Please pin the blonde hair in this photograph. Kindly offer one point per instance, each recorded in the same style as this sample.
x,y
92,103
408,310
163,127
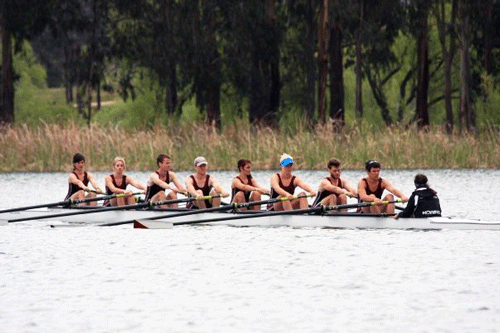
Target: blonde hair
x,y
118,159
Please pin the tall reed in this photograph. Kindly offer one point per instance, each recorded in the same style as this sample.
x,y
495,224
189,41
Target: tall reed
x,y
50,147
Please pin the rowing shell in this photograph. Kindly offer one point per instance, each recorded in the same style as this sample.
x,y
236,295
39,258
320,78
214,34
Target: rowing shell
x,y
340,220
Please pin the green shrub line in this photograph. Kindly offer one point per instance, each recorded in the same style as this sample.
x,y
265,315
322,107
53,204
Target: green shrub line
x,y
50,147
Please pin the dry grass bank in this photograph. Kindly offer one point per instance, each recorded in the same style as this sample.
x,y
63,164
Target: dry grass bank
x,y
50,147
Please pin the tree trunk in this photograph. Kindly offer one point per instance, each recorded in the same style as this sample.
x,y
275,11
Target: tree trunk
x,y
446,32
310,68
467,116
488,36
274,94
171,90
7,99
322,60
336,76
214,70
422,116
359,65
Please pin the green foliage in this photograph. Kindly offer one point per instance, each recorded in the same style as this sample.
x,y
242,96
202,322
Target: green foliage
x,y
487,107
34,102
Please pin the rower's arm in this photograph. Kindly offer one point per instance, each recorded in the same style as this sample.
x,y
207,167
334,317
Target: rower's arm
x,y
215,184
349,188
190,188
258,188
305,186
134,183
410,207
156,180
388,186
236,183
113,188
177,183
276,186
331,188
94,183
363,196
74,180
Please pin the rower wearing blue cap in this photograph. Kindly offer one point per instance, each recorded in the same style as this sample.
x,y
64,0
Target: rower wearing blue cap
x,y
283,185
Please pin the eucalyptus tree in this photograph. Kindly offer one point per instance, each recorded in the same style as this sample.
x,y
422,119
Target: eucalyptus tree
x,y
19,20
371,29
250,44
446,19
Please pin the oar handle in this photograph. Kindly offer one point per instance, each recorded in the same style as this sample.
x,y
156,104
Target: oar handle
x,y
152,204
360,204
113,196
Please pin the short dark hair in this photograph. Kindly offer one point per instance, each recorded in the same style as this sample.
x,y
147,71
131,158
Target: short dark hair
x,y
78,158
371,164
333,163
160,158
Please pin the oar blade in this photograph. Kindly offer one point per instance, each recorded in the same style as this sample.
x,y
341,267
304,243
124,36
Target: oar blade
x,y
149,224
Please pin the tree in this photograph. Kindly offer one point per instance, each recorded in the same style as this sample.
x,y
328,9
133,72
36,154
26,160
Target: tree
x,y
19,20
336,69
323,37
447,39
467,114
422,116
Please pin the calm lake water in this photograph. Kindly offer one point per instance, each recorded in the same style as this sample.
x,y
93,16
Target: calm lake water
x,y
227,279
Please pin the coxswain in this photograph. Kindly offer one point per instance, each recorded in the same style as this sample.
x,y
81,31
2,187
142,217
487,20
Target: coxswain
x,y
201,184
161,180
283,185
371,189
334,190
244,187
423,202
79,180
117,182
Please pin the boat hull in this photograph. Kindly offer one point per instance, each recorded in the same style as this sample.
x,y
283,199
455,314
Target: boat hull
x,y
150,220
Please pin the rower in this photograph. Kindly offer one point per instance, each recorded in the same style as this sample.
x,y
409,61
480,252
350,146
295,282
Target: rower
x,y
244,187
201,184
161,180
371,189
78,182
423,202
283,185
117,182
334,190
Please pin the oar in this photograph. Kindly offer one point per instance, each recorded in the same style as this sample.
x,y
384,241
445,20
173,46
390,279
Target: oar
x,y
360,204
319,209
68,202
206,210
107,209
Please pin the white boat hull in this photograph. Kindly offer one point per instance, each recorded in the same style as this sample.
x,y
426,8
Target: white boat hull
x,y
324,221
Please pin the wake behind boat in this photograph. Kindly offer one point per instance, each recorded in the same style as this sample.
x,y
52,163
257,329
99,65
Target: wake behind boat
x,y
161,219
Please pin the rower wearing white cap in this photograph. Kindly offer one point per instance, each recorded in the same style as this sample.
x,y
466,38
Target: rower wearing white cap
x,y
161,180
201,184
283,184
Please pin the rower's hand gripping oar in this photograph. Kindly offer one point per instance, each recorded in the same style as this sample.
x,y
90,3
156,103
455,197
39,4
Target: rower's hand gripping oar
x,y
360,204
234,206
106,209
320,209
67,203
